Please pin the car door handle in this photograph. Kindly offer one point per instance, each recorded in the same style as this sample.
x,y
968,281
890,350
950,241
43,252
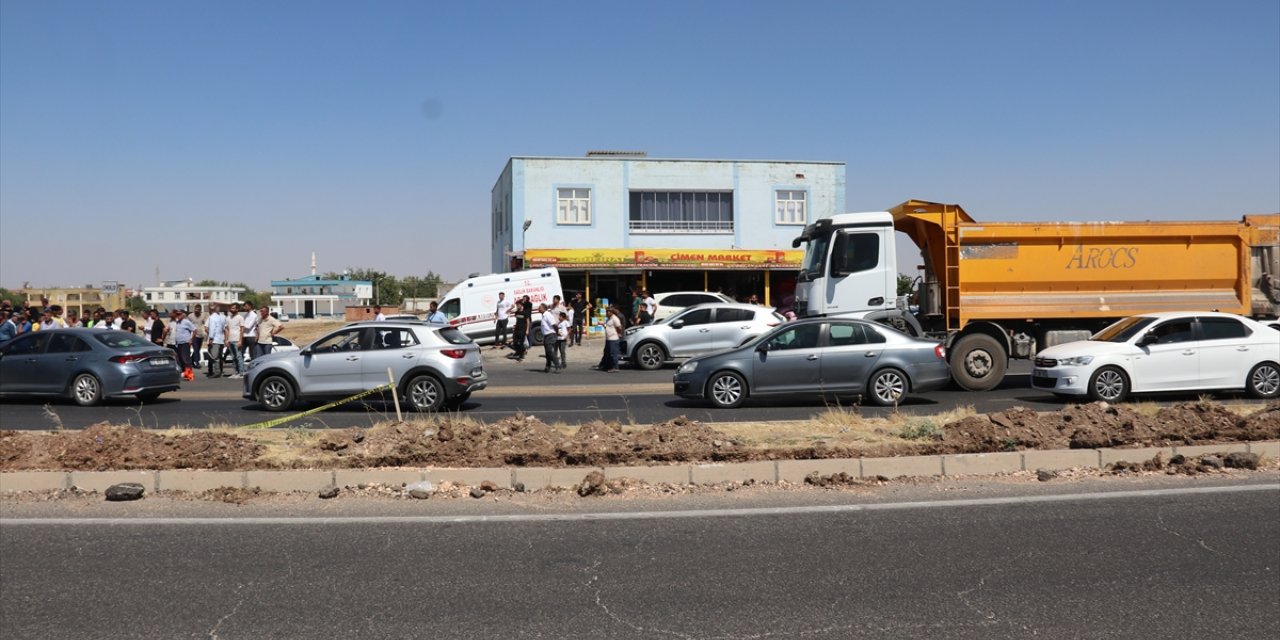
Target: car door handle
x,y
703,330
870,354
408,356
351,358
1242,348
72,358
1188,353
812,357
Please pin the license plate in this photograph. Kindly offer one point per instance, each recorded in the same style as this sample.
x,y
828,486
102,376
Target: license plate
x,y
161,362
1040,372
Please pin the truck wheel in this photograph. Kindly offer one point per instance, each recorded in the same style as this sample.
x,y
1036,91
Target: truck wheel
x,y
1264,381
649,356
536,336
978,362
1108,384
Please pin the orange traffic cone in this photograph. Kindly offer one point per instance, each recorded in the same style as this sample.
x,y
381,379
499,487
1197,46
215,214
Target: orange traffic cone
x,y
188,375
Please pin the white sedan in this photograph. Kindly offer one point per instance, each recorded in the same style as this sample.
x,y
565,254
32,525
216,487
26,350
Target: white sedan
x,y
1165,352
282,344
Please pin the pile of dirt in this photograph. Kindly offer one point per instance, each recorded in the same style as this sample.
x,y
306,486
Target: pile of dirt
x,y
1099,424
103,447
524,440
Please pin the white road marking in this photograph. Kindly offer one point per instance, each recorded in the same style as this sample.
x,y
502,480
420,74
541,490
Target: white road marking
x,y
643,515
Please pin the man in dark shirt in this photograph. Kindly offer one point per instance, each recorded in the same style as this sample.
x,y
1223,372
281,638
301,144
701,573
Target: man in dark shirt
x,y
581,309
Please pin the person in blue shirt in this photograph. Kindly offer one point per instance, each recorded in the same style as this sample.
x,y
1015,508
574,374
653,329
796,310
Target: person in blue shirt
x,y
434,315
8,329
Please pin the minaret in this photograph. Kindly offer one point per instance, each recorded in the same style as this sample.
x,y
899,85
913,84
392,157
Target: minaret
x,y
313,263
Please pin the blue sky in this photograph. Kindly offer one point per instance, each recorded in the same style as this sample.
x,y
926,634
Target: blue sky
x,y
228,140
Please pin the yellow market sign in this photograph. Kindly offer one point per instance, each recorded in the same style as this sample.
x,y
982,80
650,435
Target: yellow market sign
x,y
664,258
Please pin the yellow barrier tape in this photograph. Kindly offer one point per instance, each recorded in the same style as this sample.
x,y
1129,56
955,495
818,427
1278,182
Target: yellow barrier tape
x,y
279,421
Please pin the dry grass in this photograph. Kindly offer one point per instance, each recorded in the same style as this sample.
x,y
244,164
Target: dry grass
x,y
303,332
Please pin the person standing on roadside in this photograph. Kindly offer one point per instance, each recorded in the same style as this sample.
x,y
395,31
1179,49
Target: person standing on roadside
x,y
156,334
235,331
217,334
612,324
377,314
548,338
268,327
201,322
581,311
73,319
250,339
435,315
500,313
563,327
521,330
8,328
182,331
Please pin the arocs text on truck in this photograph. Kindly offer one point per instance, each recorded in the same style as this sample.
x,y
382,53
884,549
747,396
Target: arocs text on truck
x,y
1000,290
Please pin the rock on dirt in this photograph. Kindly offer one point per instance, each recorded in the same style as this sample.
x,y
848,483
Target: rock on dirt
x,y
329,492
593,485
125,491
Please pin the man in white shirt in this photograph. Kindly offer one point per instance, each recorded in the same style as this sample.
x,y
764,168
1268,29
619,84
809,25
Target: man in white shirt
x,y
500,338
235,329
217,333
378,316
549,322
249,341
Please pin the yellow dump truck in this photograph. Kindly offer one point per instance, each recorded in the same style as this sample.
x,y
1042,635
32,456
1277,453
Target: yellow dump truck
x,y
1001,290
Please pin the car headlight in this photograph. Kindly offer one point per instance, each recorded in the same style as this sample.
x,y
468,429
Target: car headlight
x,y
253,364
1076,361
688,367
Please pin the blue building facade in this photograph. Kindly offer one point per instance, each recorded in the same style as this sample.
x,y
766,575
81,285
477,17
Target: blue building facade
x,y
616,220
314,296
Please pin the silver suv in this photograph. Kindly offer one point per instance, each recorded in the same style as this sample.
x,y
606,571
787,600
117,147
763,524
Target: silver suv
x,y
433,366
695,331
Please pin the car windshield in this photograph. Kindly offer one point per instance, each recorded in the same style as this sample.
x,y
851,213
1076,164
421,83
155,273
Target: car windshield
x,y
120,340
1123,330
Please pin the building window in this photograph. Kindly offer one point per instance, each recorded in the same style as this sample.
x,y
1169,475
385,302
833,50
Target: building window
x,y
792,207
682,211
573,206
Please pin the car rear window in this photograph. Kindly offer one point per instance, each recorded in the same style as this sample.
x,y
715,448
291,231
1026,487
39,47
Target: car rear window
x,y
453,336
120,340
735,315
1222,328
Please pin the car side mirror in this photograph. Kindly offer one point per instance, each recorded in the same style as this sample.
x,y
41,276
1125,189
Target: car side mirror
x,y
306,351
763,347
1147,339
676,324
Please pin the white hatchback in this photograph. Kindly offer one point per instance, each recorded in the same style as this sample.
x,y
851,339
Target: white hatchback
x,y
1165,352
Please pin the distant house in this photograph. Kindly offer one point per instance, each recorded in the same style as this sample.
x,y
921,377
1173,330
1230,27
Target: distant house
x,y
183,294
315,296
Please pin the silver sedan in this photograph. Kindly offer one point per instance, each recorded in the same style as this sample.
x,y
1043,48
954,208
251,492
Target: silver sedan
x,y
818,357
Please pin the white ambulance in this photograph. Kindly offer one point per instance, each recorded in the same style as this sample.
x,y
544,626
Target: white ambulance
x,y
472,305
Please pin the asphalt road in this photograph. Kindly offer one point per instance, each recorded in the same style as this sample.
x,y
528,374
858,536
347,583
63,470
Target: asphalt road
x,y
1197,561
578,395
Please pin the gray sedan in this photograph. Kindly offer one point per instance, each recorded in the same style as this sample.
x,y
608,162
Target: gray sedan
x,y
86,365
818,356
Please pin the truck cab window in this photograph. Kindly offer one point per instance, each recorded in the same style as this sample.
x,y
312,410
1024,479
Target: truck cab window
x,y
855,252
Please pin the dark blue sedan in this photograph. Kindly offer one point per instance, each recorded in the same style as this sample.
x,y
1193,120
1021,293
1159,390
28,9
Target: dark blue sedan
x,y
86,365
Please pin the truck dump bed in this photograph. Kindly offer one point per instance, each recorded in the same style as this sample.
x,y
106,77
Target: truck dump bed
x,y
1060,270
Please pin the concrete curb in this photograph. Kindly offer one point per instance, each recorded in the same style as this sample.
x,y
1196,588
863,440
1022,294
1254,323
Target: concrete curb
x,y
793,471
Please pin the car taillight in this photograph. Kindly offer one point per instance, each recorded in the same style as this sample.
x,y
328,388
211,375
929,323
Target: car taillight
x,y
940,351
127,359
456,354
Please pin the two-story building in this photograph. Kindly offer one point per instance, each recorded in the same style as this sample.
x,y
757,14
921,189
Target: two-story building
x,y
315,296
616,220
185,294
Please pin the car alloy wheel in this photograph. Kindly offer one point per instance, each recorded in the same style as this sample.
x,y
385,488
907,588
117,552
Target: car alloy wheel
x,y
1108,384
649,356
726,390
86,390
275,393
1264,381
425,393
888,387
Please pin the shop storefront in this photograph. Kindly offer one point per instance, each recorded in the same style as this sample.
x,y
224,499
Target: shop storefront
x,y
611,273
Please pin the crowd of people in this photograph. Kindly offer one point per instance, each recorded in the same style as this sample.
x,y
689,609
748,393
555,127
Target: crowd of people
x,y
241,330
